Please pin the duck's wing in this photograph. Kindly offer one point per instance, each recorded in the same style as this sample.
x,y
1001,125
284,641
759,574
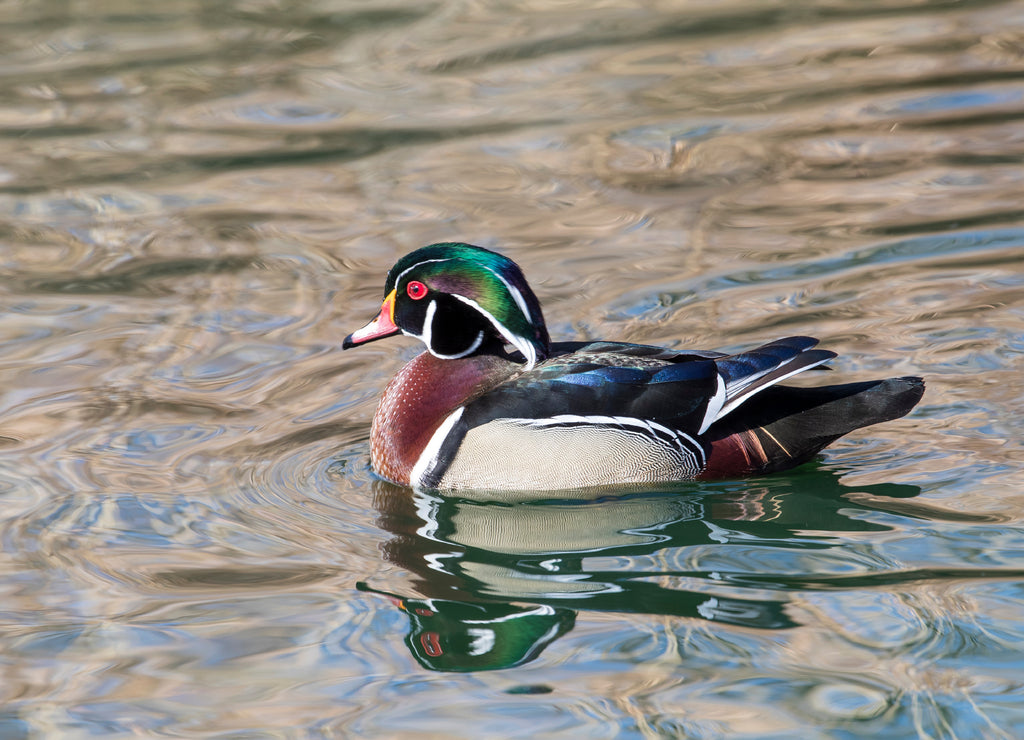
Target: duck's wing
x,y
603,413
742,375
683,387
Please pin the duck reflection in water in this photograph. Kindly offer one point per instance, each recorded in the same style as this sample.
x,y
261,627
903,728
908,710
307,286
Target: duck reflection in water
x,y
497,583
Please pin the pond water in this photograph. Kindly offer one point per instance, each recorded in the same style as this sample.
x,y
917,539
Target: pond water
x,y
198,201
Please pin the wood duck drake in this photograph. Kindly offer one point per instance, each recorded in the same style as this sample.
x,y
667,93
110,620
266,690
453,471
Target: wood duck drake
x,y
493,404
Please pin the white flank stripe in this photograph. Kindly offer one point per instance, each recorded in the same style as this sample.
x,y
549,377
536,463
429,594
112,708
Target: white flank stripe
x,y
715,404
688,443
696,447
428,458
734,402
595,419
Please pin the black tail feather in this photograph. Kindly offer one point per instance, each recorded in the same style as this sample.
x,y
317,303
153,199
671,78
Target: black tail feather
x,y
792,424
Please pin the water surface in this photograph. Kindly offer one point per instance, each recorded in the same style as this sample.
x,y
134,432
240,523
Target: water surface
x,y
197,202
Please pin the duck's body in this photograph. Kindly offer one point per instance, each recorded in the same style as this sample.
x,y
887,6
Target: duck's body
x,y
468,414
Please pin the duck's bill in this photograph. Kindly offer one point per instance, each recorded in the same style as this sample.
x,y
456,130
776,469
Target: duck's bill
x,y
382,326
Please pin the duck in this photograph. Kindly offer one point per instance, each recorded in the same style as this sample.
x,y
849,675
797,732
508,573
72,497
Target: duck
x,y
493,405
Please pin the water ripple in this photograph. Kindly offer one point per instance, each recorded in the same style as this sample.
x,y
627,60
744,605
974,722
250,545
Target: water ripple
x,y
197,204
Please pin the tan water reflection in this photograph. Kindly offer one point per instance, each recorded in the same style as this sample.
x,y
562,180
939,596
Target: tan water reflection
x,y
197,202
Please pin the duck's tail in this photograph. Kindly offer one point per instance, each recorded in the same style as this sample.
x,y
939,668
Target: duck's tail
x,y
784,426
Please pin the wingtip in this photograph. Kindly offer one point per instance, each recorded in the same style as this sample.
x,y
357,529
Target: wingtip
x,y
913,389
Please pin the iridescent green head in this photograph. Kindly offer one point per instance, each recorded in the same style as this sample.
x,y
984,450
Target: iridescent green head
x,y
459,300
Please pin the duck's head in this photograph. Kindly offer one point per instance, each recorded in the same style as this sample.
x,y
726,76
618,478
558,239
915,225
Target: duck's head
x,y
459,300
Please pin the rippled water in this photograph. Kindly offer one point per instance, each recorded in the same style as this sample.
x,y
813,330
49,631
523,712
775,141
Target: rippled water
x,y
198,201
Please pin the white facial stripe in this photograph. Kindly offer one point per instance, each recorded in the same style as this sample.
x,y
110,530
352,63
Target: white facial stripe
x,y
517,296
428,458
413,267
517,341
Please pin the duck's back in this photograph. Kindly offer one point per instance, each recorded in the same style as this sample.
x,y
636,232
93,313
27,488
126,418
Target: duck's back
x,y
618,414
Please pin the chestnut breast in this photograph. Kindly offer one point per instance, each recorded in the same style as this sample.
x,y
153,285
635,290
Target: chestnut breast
x,y
419,398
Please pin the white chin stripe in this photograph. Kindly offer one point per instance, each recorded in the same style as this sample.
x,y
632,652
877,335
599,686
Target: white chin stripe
x,y
472,348
428,335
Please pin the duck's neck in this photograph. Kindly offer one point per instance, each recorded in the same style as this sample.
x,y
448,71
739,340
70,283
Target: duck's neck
x,y
419,398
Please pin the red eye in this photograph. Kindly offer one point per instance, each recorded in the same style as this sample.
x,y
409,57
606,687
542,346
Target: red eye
x,y
416,290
